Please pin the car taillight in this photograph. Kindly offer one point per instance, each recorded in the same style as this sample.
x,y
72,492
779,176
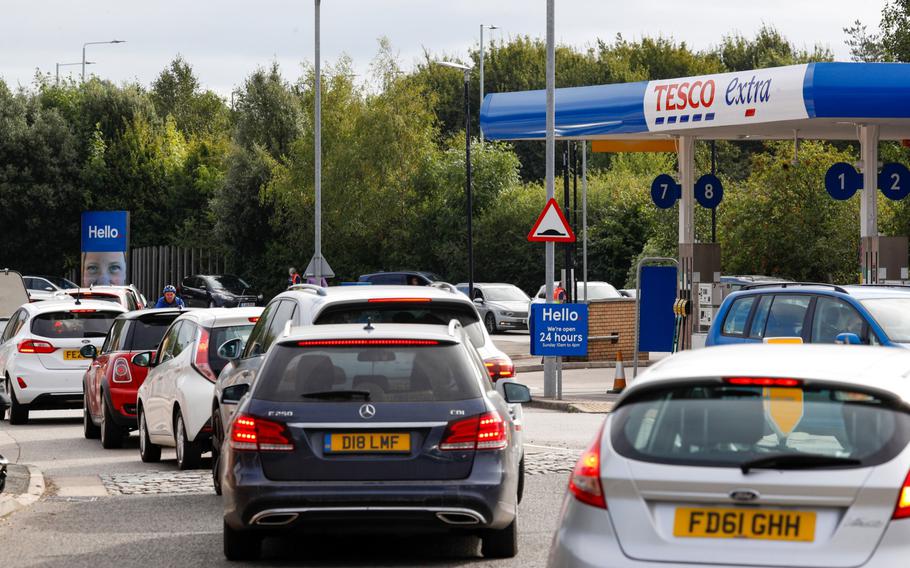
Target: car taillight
x,y
201,361
483,432
902,510
499,368
763,382
584,483
398,300
35,346
258,434
121,372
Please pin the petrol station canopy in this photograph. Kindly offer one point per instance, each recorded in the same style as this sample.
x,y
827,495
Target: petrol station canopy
x,y
812,101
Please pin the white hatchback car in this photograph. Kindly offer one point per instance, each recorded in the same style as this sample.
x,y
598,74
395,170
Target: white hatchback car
x,y
757,455
40,363
174,402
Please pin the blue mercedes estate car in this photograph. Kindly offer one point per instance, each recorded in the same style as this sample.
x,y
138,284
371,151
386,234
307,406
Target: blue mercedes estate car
x,y
816,313
386,428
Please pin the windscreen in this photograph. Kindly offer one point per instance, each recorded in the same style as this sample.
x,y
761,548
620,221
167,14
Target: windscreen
x,y
430,313
893,314
230,283
393,373
60,282
504,294
728,425
68,325
219,336
148,331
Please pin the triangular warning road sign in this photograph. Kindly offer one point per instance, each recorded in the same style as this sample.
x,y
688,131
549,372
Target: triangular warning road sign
x,y
552,226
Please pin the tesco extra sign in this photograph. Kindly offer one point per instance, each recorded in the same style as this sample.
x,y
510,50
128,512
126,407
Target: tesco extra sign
x,y
762,95
105,231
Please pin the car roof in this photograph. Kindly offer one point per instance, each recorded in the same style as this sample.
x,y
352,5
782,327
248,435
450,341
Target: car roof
x,y
851,365
118,290
340,294
378,331
484,284
219,317
860,292
66,305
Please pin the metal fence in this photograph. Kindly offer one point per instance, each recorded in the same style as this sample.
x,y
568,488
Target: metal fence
x,y
153,267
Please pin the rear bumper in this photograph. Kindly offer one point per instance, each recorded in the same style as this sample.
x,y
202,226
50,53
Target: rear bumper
x,y
46,388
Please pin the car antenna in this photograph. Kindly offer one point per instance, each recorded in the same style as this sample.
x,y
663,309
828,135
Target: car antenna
x,y
369,325
78,303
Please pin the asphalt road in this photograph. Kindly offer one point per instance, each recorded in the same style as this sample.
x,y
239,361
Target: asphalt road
x,y
82,521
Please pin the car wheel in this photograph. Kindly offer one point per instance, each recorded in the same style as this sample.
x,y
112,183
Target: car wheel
x,y
148,451
111,434
521,478
502,543
216,450
89,430
490,321
189,454
18,413
241,545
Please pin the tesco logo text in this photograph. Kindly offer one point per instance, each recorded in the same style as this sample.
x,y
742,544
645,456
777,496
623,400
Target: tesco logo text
x,y
680,96
105,232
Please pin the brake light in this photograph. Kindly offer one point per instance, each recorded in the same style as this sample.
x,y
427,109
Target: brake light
x,y
499,368
121,372
83,311
396,300
201,361
253,319
584,483
384,342
763,382
258,434
482,432
35,346
21,382
902,510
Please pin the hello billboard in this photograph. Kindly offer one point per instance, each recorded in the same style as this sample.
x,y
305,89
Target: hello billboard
x,y
105,247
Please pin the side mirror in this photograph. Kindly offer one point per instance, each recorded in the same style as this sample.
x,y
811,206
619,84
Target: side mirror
x,y
847,338
516,393
143,359
231,349
48,289
478,300
89,351
233,393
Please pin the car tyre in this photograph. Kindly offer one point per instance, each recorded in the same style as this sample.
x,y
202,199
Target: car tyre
x,y
148,451
502,543
216,450
189,454
18,413
111,434
521,478
241,545
490,321
89,430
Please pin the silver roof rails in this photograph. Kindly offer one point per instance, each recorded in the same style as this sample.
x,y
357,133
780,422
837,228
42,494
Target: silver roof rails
x,y
318,290
445,286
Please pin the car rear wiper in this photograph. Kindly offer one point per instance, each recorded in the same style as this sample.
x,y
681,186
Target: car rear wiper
x,y
338,395
796,461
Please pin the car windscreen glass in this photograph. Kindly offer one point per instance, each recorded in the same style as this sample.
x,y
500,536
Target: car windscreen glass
x,y
69,325
504,294
717,424
230,283
387,373
221,334
893,314
431,313
59,282
148,331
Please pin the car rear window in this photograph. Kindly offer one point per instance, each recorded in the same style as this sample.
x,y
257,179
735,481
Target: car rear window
x,y
219,336
73,324
430,313
893,314
717,424
435,373
148,330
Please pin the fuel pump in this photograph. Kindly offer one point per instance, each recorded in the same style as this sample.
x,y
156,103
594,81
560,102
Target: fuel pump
x,y
699,291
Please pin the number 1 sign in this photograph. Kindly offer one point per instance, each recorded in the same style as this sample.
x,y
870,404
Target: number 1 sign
x,y
842,181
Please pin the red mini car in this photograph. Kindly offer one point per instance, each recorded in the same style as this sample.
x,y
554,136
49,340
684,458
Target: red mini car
x,y
111,381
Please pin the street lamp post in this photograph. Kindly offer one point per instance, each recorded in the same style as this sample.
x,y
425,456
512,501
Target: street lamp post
x,y
59,65
489,27
467,166
95,43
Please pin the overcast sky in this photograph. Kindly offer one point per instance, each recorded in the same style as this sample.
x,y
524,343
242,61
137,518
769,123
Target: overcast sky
x,y
225,40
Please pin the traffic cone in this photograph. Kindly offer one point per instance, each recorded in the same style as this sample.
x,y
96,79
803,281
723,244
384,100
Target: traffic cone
x,y
619,379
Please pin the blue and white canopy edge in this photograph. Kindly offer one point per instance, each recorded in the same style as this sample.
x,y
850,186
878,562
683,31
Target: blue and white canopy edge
x,y
815,100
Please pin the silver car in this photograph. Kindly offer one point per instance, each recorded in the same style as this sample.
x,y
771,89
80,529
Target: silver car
x,y
757,455
501,306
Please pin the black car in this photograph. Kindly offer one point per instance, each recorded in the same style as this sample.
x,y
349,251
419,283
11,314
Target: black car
x,y
387,428
218,291
402,277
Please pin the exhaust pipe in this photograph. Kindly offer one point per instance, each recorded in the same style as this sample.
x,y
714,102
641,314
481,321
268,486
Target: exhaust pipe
x,y
275,519
459,517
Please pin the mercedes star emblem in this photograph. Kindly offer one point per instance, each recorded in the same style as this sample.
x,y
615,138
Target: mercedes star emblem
x,y
367,411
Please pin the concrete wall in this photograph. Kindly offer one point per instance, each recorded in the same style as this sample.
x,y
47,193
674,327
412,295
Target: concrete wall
x,y
608,317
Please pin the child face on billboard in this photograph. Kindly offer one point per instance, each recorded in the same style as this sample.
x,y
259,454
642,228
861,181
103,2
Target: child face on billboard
x,y
104,268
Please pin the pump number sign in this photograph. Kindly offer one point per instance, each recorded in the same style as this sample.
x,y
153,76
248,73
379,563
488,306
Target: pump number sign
x,y
559,330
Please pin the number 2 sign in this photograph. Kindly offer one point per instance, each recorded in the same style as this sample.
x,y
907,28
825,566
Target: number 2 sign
x,y
894,181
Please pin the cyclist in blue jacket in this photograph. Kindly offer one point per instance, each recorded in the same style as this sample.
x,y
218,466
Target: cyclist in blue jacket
x,y
170,299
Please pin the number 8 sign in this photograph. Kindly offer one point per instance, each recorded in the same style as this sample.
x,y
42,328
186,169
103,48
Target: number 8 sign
x,y
709,191
894,181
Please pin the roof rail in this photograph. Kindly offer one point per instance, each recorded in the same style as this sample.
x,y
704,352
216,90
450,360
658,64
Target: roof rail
x,y
445,286
318,290
790,284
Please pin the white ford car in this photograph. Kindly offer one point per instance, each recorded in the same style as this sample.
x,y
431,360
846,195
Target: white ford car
x,y
40,361
756,455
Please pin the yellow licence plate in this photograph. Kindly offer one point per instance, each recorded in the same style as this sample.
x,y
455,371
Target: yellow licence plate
x,y
368,442
72,354
765,524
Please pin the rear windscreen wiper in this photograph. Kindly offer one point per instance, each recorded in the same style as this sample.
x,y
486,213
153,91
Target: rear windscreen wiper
x,y
796,461
338,395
